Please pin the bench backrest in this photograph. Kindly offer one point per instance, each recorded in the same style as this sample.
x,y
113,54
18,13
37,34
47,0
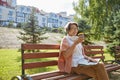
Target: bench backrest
x,y
117,53
42,52
50,51
94,52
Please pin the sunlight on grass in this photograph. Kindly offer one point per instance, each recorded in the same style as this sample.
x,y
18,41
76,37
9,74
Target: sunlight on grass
x,y
107,55
9,63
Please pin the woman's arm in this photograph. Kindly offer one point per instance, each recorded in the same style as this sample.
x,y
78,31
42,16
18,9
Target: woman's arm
x,y
88,58
69,51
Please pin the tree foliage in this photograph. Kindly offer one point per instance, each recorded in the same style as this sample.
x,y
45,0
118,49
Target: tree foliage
x,y
96,13
31,31
85,28
112,31
104,17
10,24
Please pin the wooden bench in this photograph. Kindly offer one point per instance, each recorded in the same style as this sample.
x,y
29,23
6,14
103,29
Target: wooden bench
x,y
97,52
117,55
51,51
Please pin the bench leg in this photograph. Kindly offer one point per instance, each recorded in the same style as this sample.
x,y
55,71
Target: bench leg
x,y
110,75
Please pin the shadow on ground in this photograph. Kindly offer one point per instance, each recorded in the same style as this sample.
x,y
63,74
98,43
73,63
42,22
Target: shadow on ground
x,y
115,76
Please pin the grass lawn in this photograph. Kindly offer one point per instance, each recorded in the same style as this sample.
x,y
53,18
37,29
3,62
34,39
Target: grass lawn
x,y
107,55
10,64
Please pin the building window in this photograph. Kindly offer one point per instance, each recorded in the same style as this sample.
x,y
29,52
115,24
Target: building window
x,y
60,22
0,16
20,14
10,19
0,10
43,24
43,19
10,13
22,20
22,9
49,20
28,10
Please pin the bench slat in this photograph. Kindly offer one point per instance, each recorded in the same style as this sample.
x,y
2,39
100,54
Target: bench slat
x,y
58,76
93,47
76,77
117,55
93,52
39,46
47,75
40,55
100,57
109,65
113,68
117,51
39,64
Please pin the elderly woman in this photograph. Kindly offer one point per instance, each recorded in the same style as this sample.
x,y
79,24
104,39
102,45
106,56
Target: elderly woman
x,y
72,58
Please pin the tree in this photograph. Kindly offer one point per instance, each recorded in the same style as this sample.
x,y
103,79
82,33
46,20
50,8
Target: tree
x,y
104,17
31,31
112,31
96,13
20,25
10,25
85,28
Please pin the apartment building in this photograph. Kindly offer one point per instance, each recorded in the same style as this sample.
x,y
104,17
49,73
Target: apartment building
x,y
22,13
7,15
42,19
10,12
58,19
8,3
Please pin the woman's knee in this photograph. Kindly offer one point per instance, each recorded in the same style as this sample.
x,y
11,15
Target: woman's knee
x,y
100,66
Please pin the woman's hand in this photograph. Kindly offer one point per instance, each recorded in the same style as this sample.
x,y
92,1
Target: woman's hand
x,y
92,60
79,40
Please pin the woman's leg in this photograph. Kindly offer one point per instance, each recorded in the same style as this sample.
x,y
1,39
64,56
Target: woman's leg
x,y
98,71
87,70
101,72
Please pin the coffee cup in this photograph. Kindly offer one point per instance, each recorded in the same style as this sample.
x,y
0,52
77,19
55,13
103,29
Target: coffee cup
x,y
81,35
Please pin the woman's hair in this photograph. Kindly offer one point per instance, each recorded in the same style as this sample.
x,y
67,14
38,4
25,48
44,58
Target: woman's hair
x,y
68,25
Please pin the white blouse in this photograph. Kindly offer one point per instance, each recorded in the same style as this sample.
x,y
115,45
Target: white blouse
x,y
78,57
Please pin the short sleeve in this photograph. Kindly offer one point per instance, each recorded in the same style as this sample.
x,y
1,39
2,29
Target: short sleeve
x,y
64,45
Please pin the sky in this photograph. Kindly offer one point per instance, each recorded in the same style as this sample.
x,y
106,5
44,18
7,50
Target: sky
x,y
55,6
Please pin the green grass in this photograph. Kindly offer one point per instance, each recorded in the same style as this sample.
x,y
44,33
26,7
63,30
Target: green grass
x,y
107,55
10,64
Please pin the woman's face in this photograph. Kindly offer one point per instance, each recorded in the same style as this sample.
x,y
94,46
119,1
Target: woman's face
x,y
73,30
